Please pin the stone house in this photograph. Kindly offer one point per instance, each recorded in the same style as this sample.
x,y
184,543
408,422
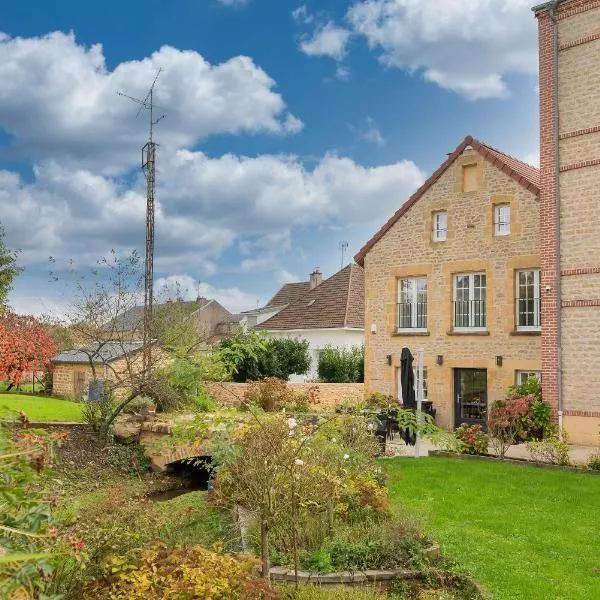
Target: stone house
x,y
326,312
456,272
569,43
116,361
211,320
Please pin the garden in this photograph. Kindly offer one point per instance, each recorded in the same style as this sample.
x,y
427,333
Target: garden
x,y
291,495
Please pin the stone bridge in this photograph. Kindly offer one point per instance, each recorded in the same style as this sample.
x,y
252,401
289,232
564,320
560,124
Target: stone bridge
x,y
156,440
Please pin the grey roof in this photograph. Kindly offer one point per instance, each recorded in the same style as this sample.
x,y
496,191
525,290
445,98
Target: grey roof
x,y
133,318
233,318
101,352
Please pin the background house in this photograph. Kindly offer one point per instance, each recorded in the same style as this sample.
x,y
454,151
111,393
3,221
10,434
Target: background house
x,y
326,312
211,320
116,361
455,271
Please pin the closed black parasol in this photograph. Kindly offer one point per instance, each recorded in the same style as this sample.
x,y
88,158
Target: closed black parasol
x,y
407,380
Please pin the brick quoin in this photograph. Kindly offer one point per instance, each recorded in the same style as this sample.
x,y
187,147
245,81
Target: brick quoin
x,y
548,212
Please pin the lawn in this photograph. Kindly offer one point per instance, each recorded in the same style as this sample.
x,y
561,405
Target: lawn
x,y
523,532
39,408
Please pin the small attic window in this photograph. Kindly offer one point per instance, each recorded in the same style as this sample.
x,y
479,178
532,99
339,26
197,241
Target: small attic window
x,y
310,303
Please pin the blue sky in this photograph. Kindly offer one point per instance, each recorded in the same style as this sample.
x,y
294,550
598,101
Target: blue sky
x,y
290,126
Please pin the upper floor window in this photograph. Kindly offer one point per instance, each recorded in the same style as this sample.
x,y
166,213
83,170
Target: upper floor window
x,y
469,175
412,304
528,300
469,302
440,225
502,219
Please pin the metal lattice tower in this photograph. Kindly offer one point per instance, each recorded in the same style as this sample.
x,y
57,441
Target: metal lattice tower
x,y
149,170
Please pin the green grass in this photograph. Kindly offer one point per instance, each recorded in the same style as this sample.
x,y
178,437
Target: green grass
x,y
39,408
523,532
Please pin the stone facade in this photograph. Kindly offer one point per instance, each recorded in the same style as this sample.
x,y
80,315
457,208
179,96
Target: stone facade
x,y
571,353
407,249
323,396
69,379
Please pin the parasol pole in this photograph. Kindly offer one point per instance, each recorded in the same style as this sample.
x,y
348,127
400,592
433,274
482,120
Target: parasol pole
x,y
420,355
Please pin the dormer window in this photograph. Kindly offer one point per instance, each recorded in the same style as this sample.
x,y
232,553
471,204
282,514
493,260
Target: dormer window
x,y
440,226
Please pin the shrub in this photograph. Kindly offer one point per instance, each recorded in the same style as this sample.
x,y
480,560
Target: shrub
x,y
341,365
368,545
536,422
513,420
551,450
593,461
270,394
472,439
139,405
164,573
95,412
204,403
250,356
379,400
165,396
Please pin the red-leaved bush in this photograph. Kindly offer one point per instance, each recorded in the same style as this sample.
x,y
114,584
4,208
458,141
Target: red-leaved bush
x,y
24,346
506,422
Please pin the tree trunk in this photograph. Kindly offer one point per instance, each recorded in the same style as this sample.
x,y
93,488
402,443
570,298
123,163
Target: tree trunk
x,y
264,545
105,427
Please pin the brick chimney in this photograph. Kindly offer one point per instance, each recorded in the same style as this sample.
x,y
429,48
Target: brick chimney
x,y
315,278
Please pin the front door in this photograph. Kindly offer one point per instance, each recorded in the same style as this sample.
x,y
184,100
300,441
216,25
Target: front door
x,y
470,397
79,383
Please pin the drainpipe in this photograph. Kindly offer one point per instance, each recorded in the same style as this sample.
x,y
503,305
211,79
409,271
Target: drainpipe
x,y
557,226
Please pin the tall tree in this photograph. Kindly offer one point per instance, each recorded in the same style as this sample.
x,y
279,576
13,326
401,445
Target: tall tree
x,y
8,270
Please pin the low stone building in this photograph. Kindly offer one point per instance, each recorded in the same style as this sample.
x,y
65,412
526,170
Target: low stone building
x,y
116,361
455,271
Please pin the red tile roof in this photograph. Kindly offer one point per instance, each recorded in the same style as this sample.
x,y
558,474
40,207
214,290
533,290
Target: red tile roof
x,y
525,174
288,293
338,301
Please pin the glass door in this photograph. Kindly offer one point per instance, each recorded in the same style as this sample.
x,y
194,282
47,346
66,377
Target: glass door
x,y
470,397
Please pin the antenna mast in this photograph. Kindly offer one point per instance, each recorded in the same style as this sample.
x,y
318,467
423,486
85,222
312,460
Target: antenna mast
x,y
149,170
343,246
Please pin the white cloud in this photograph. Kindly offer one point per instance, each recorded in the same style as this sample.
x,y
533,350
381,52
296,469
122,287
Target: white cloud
x,y
301,15
58,99
232,298
461,45
532,158
328,40
369,132
234,3
282,276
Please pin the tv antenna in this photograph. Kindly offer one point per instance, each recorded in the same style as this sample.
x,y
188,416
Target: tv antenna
x,y
149,170
343,246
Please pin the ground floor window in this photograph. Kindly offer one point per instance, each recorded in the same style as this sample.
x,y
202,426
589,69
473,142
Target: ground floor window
x,y
425,387
523,376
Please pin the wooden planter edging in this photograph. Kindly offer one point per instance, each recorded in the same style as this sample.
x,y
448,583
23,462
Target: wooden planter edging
x,y
512,461
42,424
284,574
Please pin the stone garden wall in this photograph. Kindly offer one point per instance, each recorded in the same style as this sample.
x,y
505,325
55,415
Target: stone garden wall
x,y
323,396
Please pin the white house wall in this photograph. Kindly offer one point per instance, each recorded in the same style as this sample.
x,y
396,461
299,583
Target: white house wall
x,y
318,339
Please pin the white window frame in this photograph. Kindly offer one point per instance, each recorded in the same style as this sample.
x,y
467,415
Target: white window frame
x,y
471,313
536,297
522,376
414,301
440,230
425,386
501,223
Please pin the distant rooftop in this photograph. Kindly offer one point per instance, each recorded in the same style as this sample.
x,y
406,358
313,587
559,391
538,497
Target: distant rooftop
x,y
100,352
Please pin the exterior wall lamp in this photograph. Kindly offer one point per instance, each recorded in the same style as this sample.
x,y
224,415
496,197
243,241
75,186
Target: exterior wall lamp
x,y
439,360
389,359
498,361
